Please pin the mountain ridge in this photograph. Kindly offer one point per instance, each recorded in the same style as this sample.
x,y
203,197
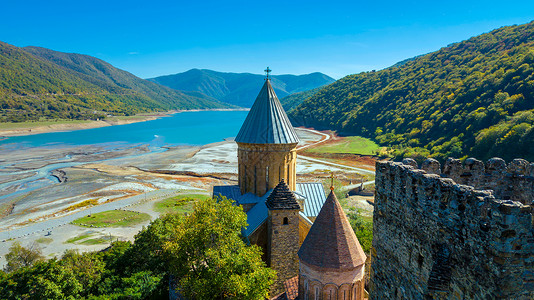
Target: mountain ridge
x,y
36,83
240,88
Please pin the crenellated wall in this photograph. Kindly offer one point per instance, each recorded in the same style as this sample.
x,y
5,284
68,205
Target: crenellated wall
x,y
514,181
437,239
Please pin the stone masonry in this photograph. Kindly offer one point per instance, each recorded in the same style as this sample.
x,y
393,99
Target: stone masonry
x,y
283,235
263,166
283,246
462,233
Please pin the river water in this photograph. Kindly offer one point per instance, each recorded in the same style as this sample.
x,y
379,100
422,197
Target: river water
x,y
185,128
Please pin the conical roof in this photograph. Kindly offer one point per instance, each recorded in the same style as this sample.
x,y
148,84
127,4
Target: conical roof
x,y
267,122
331,242
282,198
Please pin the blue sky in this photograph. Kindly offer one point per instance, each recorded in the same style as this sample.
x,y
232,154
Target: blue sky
x,y
152,38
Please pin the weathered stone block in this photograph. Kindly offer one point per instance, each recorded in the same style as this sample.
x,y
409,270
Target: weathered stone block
x,y
490,243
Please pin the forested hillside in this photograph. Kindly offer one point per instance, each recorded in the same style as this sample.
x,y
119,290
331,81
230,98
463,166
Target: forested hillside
x,y
240,89
473,98
37,82
293,100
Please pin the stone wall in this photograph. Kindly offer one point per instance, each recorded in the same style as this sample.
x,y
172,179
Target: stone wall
x,y
283,245
436,239
514,181
263,166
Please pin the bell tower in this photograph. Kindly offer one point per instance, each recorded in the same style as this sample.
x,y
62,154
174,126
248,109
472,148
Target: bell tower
x,y
267,145
283,235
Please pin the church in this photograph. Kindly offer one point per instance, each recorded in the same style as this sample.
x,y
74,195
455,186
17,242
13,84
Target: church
x,y
305,236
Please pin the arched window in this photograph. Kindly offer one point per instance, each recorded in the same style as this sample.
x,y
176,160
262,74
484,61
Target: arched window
x,y
286,221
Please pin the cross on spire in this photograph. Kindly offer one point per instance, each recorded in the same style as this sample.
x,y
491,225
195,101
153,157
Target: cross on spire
x,y
267,71
332,181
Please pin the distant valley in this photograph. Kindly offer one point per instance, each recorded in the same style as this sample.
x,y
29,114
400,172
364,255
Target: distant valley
x,y
240,89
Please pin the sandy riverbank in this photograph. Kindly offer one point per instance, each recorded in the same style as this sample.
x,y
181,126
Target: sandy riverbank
x,y
133,178
27,128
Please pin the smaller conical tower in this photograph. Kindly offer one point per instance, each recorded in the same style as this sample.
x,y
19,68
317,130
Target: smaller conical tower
x,y
332,261
283,235
266,145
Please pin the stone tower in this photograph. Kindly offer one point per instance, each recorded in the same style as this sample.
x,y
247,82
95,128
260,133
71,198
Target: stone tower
x,y
332,261
266,146
283,235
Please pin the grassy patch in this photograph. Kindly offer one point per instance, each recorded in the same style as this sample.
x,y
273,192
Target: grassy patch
x,y
112,218
44,240
349,144
99,240
179,204
79,238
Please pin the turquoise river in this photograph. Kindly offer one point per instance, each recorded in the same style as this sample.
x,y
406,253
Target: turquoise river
x,y
185,128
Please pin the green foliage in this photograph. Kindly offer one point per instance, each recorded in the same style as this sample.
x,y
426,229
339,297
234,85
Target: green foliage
x,y
209,258
38,82
20,257
203,250
473,98
44,280
291,101
87,268
363,229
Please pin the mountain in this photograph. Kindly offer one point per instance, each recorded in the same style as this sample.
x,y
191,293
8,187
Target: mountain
x,y
472,98
293,100
240,89
37,82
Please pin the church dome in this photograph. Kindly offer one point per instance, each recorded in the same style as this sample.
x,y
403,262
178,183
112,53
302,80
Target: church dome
x,y
267,122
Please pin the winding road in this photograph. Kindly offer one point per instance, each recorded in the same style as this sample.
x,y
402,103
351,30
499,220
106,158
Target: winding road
x,y
49,224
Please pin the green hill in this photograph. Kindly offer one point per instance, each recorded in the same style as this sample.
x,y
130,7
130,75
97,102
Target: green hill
x,y
473,98
293,100
41,83
240,89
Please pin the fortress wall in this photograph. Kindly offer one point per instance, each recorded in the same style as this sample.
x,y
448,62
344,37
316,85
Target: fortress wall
x,y
436,239
514,181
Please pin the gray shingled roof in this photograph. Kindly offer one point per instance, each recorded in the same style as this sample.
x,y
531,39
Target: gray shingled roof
x,y
315,197
282,198
267,122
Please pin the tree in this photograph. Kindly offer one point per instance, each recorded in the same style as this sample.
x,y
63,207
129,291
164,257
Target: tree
x,y
44,280
209,258
87,268
21,257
